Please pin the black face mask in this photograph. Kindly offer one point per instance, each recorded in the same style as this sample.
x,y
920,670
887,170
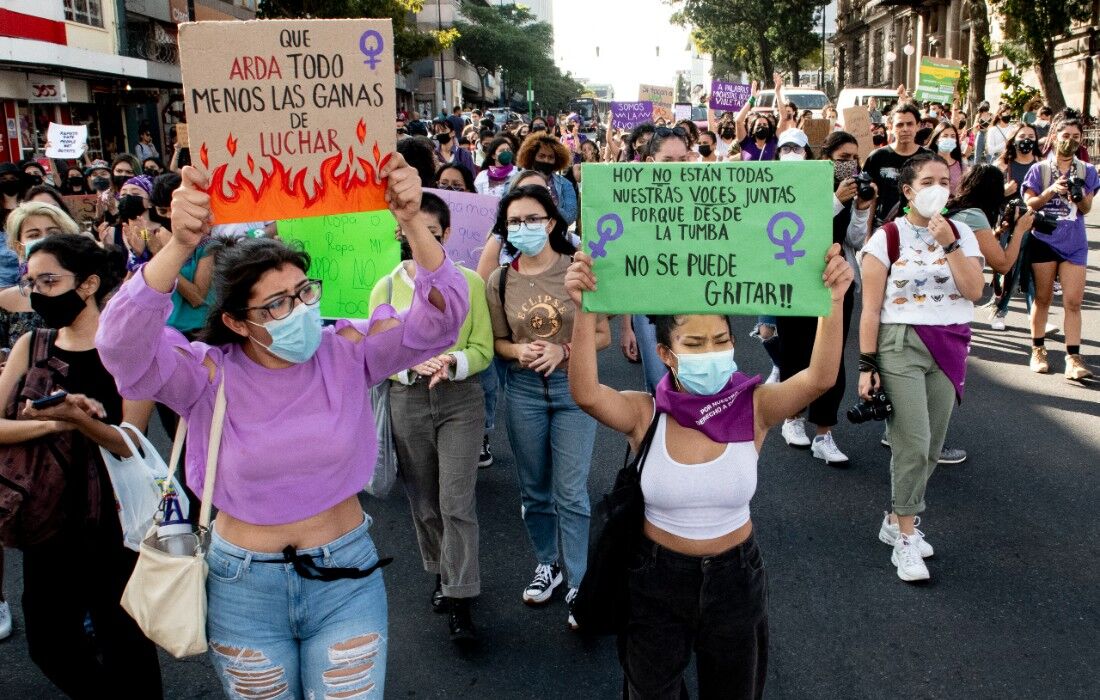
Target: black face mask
x,y
760,132
120,180
1025,146
35,180
152,173
544,168
11,188
726,133
76,183
59,311
130,207
101,184
705,150
443,139
879,139
164,221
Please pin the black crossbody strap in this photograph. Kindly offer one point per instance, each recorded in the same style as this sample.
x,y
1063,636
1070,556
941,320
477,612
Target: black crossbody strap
x,y
305,567
643,448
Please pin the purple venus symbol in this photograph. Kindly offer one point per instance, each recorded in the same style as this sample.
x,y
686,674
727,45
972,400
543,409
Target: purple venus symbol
x,y
610,227
371,52
787,241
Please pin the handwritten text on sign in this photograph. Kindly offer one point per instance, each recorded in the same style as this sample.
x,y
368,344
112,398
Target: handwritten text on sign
x,y
291,118
472,217
627,115
729,96
728,238
66,141
350,252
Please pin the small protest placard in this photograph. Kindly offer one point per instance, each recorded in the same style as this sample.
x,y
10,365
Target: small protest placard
x,y
724,238
292,118
82,207
857,122
661,97
681,110
472,217
816,131
627,115
182,136
350,252
937,78
727,96
66,141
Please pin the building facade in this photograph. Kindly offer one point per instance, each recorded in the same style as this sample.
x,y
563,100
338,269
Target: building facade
x,y
110,64
880,43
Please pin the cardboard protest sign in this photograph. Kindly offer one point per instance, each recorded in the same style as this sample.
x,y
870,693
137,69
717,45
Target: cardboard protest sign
x,y
816,131
727,96
182,136
661,97
472,217
66,141
81,206
292,118
723,238
627,115
681,110
350,252
937,78
857,122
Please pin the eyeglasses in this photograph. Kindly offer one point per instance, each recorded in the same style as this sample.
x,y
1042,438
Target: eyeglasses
x,y
43,284
455,187
281,307
664,131
514,224
792,148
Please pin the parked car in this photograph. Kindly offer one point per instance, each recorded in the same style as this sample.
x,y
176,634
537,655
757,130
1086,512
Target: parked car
x,y
813,100
856,97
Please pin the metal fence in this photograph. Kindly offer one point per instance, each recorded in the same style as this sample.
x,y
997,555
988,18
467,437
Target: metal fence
x,y
1090,139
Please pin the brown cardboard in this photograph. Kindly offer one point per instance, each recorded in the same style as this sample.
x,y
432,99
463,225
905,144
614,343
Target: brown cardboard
x,y
661,97
182,136
292,118
816,131
82,207
857,122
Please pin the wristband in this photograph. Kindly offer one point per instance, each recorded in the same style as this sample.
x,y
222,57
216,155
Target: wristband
x,y
951,247
752,102
868,362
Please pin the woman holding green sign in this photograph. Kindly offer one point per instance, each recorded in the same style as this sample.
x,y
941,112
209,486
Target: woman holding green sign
x,y
697,579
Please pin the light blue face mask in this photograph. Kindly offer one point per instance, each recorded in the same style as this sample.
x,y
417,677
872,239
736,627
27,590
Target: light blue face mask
x,y
705,373
296,337
530,239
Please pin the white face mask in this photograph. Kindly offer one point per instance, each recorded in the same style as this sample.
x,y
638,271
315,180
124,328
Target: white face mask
x,y
930,200
947,145
792,156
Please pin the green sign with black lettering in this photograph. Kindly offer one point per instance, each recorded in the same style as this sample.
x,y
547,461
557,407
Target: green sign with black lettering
x,y
727,238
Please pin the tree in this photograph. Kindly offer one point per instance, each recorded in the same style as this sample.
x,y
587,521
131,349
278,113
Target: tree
x,y
410,44
1037,27
978,62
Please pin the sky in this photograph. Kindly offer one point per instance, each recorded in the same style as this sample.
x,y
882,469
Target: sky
x,y
615,26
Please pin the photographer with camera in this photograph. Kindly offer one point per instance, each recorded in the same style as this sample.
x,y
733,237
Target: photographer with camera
x,y
1061,187
921,275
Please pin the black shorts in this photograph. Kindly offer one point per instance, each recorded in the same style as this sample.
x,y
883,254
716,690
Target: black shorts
x,y
1040,252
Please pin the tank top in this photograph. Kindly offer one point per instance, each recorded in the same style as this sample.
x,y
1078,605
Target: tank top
x,y
88,376
698,501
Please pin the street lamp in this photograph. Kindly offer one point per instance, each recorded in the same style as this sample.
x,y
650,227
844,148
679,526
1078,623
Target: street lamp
x,y
908,49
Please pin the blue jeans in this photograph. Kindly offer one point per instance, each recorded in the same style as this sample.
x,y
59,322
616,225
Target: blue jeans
x,y
552,441
646,335
275,634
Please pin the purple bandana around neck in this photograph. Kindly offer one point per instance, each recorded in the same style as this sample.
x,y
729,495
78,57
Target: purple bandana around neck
x,y
500,172
723,417
949,346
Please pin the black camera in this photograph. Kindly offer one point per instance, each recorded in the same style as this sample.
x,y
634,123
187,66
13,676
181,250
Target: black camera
x,y
1043,223
878,407
1076,187
863,187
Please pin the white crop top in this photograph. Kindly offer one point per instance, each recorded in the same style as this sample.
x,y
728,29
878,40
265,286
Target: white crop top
x,y
698,501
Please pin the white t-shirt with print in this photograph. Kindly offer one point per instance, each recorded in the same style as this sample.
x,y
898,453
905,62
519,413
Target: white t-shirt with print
x,y
920,290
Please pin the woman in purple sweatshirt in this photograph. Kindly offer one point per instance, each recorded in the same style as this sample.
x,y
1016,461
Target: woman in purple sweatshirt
x,y
295,595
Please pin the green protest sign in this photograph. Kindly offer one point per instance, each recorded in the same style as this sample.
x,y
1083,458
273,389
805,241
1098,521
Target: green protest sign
x,y
936,79
350,252
726,238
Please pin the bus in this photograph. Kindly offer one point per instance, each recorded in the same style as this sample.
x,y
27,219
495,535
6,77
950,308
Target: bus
x,y
591,110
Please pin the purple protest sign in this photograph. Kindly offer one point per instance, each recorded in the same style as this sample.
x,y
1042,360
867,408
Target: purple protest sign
x,y
627,115
729,96
472,217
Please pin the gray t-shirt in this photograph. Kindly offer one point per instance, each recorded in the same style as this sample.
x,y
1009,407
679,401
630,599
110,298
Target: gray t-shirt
x,y
974,218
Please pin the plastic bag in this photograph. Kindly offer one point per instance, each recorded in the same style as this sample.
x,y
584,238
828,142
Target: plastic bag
x,y
137,481
385,469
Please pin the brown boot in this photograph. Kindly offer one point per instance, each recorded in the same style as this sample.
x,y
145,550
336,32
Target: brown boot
x,y
1076,369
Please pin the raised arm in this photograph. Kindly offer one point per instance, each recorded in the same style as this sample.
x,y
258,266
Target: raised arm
x,y
774,402
1000,259
627,412
743,113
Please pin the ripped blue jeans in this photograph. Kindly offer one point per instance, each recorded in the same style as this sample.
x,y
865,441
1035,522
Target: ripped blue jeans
x,y
275,636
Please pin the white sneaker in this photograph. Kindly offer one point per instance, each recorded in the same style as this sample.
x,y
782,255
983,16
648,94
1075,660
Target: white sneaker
x,y
570,598
794,432
1057,287
825,448
997,323
907,558
5,620
890,532
547,578
773,378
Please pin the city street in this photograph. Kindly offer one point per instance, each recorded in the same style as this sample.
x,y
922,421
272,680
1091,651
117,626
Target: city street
x,y
1012,611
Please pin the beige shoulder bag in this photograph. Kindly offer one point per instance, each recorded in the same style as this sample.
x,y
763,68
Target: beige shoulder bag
x,y
166,594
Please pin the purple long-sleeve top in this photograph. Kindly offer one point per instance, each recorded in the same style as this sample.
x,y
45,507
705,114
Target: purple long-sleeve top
x,y
296,441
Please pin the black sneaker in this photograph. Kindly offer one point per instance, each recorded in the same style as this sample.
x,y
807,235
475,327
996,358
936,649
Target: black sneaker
x,y
461,624
570,599
486,457
439,602
547,578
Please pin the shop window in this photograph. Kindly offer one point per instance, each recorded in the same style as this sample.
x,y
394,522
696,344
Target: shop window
x,y
84,11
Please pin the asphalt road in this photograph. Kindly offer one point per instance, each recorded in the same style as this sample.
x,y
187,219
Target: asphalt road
x,y
1011,612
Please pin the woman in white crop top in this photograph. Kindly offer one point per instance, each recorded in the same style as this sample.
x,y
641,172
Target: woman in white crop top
x,y
697,579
